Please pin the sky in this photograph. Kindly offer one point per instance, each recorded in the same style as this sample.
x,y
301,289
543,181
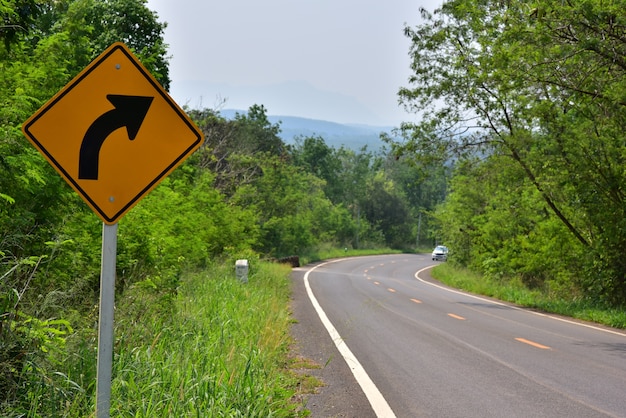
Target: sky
x,y
337,60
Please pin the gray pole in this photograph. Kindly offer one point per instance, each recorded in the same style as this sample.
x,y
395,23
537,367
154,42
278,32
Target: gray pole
x,y
358,224
105,326
419,230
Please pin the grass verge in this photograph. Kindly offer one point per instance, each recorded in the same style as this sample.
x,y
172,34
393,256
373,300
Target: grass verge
x,y
516,292
222,350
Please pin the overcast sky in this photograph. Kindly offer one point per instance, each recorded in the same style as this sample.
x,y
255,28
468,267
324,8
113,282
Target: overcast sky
x,y
338,60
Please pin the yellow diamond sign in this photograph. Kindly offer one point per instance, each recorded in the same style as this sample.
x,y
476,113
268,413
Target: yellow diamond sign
x,y
113,133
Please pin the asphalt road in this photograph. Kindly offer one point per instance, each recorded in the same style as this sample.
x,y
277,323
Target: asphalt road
x,y
423,350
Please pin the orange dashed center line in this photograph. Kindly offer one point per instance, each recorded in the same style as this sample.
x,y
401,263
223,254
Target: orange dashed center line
x,y
376,283
451,315
416,300
391,290
534,344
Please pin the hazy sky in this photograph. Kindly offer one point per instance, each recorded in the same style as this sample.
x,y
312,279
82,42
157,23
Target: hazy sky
x,y
339,60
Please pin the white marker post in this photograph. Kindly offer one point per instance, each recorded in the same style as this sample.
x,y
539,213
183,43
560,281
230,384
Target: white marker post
x,y
105,326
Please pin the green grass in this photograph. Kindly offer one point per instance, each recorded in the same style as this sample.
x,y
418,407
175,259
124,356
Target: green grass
x,y
515,292
204,345
223,352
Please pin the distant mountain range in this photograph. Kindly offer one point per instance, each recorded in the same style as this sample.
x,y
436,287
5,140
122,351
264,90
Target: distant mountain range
x,y
334,134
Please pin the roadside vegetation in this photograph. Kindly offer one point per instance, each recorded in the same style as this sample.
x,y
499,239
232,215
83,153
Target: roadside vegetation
x,y
222,349
517,169
518,293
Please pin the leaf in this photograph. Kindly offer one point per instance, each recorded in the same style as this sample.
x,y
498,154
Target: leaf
x,y
7,198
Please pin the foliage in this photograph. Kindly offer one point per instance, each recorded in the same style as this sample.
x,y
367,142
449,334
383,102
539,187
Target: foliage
x,y
183,224
222,354
315,157
387,209
541,87
516,292
496,224
17,18
132,23
294,212
232,148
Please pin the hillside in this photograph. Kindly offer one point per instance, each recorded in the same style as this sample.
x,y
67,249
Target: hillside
x,y
335,134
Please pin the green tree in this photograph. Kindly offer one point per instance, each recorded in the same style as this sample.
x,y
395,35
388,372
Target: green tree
x,y
387,210
257,133
496,222
294,213
232,147
130,22
542,87
49,240
317,158
17,19
424,188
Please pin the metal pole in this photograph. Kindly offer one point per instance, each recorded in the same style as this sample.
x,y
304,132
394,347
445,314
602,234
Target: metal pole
x,y
358,223
105,325
419,230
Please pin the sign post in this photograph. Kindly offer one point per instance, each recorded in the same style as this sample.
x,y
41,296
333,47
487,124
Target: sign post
x,y
113,133
105,325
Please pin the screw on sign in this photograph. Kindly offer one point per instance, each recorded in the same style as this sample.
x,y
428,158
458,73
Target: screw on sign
x,y
113,133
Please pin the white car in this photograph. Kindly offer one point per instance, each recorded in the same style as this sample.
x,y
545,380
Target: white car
x,y
440,253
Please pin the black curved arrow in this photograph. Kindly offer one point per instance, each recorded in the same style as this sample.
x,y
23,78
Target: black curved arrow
x,y
129,111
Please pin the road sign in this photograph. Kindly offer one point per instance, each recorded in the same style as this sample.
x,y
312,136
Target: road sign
x,y
113,133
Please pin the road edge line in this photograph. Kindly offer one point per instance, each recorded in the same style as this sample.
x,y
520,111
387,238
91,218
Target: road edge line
x,y
377,401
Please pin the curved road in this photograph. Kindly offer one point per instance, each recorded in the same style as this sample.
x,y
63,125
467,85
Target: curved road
x,y
420,349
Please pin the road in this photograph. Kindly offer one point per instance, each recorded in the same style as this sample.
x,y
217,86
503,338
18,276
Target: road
x,y
423,350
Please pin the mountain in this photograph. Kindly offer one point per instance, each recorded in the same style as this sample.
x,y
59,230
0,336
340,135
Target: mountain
x,y
285,98
335,135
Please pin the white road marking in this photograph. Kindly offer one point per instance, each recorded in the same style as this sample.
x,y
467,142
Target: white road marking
x,y
377,401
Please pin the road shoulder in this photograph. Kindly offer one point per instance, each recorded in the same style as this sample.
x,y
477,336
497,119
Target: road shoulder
x,y
340,395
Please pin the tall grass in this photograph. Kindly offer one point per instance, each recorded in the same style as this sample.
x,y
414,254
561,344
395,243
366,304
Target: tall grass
x,y
221,353
201,345
515,291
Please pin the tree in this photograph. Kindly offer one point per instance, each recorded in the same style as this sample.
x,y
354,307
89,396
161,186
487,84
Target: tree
x,y
30,191
130,22
543,87
496,223
294,213
255,133
387,209
17,19
424,187
48,264
232,148
317,158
